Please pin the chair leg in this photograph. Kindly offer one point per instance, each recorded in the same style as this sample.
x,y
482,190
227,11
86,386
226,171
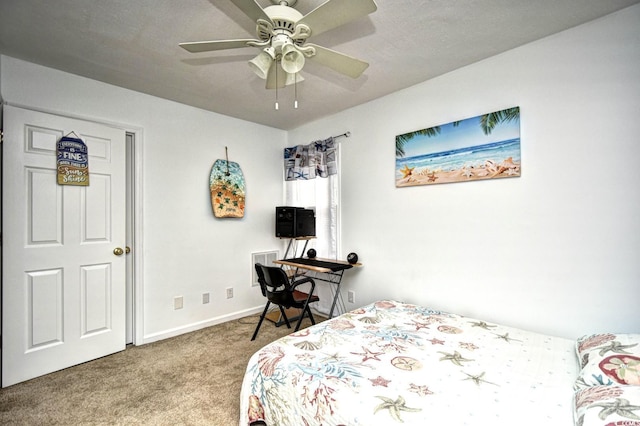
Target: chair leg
x,y
302,312
255,333
284,315
313,321
299,321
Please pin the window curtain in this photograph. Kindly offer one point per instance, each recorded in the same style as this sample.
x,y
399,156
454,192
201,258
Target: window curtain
x,y
312,181
304,162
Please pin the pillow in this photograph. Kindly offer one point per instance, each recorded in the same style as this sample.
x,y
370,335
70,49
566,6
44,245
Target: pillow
x,y
608,359
608,406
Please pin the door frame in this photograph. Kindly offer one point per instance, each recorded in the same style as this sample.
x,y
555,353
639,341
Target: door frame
x,y
137,199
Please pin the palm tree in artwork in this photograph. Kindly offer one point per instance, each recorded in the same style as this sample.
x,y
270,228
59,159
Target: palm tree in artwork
x,y
488,122
403,139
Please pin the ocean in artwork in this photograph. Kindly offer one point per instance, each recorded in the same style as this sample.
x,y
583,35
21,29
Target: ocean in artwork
x,y
470,157
461,151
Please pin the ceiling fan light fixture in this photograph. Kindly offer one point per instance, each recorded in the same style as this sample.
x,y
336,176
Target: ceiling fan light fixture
x,y
261,63
292,79
292,59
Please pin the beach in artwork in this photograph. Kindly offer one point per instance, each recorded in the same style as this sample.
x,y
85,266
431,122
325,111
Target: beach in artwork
x,y
472,149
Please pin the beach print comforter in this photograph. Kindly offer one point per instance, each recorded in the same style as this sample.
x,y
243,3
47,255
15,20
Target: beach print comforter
x,y
395,363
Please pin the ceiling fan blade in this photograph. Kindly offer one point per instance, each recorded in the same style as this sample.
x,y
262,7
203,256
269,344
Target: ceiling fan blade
x,y
284,78
334,13
252,9
208,46
337,61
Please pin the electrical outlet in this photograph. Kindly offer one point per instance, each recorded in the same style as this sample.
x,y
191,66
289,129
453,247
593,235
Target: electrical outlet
x,y
229,292
177,302
205,298
351,296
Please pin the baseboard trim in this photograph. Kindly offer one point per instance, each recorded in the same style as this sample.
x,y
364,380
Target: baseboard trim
x,y
166,334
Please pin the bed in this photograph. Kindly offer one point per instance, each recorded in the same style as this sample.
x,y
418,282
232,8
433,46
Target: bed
x,y
396,363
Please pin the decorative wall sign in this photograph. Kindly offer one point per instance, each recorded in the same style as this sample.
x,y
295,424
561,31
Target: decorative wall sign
x,y
73,161
227,186
482,147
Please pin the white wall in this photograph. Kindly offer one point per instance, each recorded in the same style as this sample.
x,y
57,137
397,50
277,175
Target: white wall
x,y
556,250
187,251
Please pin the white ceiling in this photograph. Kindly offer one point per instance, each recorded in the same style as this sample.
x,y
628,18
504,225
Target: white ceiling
x,y
134,44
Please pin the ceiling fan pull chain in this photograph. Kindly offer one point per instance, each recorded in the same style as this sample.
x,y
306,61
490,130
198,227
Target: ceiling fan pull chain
x,y
295,89
276,105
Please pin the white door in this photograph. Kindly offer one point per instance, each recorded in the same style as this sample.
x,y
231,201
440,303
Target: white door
x,y
63,288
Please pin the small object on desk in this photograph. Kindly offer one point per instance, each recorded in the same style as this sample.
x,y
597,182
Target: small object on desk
x,y
311,253
352,258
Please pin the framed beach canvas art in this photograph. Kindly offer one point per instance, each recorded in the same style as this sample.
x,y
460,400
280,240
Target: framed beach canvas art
x,y
482,147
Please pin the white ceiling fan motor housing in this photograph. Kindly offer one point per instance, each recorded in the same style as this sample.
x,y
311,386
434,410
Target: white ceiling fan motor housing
x,y
284,20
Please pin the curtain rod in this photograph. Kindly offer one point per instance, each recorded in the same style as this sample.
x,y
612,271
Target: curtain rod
x,y
344,135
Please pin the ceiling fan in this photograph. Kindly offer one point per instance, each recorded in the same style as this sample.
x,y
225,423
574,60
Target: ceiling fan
x,y
282,33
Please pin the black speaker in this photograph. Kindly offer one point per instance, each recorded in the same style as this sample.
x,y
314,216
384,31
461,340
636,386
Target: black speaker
x,y
305,223
292,222
286,222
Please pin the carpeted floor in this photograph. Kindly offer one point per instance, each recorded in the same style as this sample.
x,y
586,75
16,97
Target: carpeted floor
x,y
192,379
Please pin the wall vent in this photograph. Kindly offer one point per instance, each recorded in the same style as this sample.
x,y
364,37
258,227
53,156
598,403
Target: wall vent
x,y
266,258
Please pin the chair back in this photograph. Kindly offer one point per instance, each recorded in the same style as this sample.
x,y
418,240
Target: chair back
x,y
275,285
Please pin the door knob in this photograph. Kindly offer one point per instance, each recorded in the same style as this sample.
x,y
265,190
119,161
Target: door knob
x,y
118,251
127,249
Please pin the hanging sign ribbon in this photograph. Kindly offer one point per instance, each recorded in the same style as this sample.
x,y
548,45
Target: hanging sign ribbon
x,y
73,162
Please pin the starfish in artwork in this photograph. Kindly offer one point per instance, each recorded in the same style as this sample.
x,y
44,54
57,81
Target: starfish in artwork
x,y
621,407
420,390
616,347
469,346
506,338
332,358
305,357
482,324
467,172
394,407
435,341
455,358
420,325
406,171
380,381
478,378
367,354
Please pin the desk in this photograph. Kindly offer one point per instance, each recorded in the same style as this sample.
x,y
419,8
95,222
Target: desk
x,y
331,268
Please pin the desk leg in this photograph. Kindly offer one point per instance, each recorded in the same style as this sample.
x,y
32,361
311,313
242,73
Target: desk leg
x,y
335,296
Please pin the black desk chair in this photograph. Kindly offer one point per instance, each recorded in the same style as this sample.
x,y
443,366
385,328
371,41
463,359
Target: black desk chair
x,y
276,287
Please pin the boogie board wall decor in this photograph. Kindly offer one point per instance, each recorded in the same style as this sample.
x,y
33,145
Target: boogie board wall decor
x,y
227,186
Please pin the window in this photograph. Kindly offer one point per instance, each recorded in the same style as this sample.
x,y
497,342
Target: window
x,y
322,195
